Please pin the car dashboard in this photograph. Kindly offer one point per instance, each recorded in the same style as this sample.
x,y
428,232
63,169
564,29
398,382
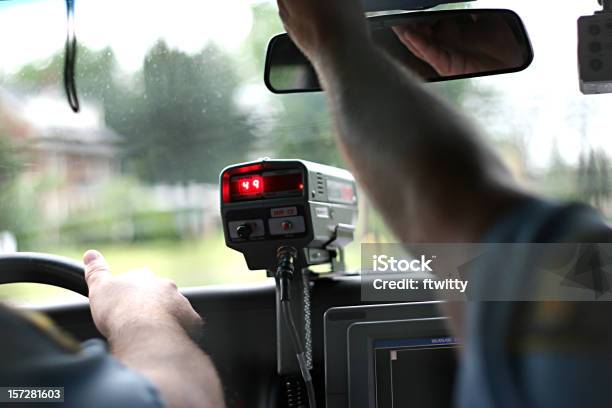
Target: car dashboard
x,y
239,333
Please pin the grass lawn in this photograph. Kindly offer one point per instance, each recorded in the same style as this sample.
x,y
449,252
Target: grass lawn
x,y
189,263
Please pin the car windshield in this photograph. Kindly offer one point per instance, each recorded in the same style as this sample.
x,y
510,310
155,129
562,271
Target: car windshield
x,y
172,92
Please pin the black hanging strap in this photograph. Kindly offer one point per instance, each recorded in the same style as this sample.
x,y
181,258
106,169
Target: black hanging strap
x,y
70,58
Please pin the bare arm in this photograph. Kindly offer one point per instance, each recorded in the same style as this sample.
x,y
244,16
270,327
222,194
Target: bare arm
x,y
183,374
425,168
146,322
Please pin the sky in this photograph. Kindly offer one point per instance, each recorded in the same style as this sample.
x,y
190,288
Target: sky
x,y
547,94
130,27
536,102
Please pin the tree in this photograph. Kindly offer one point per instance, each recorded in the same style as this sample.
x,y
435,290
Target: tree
x,y
266,24
593,183
18,213
177,115
604,179
94,73
189,126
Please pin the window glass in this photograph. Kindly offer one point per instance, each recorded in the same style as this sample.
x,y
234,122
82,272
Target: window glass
x,y
172,92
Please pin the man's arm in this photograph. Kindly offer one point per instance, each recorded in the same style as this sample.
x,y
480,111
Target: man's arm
x,y
423,166
146,322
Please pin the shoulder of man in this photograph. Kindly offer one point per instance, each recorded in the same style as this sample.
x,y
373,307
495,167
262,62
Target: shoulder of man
x,y
36,353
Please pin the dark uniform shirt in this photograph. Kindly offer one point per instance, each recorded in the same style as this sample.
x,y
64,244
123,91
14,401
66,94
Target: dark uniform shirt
x,y
537,353
34,353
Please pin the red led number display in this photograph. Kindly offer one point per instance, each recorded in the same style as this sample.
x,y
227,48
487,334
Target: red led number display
x,y
248,186
255,186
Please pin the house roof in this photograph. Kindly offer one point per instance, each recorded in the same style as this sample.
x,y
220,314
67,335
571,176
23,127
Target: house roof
x,y
51,125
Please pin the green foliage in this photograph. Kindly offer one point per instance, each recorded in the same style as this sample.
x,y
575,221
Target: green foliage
x,y
39,74
122,213
18,205
303,130
177,114
266,25
593,183
142,226
190,126
10,162
10,166
94,73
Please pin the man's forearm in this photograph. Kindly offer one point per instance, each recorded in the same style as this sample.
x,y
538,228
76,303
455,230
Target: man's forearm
x,y
183,374
401,139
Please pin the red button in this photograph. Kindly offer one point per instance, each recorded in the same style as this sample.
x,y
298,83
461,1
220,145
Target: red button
x,y
286,225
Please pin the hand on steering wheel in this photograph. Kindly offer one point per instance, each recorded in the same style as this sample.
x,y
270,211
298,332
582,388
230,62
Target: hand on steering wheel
x,y
118,303
135,299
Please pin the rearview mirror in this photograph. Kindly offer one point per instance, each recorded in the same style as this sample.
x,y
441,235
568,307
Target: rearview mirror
x,y
436,46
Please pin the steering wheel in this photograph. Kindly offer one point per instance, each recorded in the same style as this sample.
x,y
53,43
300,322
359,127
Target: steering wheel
x,y
48,269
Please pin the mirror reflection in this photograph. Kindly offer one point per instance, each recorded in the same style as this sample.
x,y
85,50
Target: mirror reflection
x,y
437,46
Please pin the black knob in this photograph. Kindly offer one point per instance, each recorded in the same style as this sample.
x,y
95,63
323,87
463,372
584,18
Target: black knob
x,y
244,231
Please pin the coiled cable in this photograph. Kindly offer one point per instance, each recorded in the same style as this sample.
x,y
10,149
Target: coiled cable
x,y
286,268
